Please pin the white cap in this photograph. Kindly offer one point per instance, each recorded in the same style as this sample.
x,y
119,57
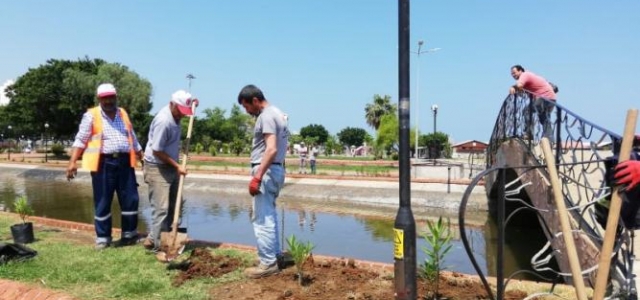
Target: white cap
x,y
106,90
183,100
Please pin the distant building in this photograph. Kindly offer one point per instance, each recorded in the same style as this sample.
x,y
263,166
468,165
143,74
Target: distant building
x,y
468,148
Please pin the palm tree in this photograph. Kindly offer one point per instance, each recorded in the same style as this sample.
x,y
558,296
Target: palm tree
x,y
381,106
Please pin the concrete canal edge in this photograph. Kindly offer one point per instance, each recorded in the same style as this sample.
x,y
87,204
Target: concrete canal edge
x,y
373,192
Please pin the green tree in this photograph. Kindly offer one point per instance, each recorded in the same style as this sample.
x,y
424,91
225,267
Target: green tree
x,y
437,143
315,131
60,91
351,136
388,134
381,106
331,146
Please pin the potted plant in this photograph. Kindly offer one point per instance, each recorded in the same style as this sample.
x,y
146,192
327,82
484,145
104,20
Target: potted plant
x,y
22,233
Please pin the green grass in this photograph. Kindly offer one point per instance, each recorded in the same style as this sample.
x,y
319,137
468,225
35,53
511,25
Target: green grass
x,y
361,170
114,273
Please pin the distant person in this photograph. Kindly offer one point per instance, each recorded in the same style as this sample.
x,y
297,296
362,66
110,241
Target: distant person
x,y
268,152
542,90
302,154
313,153
161,168
109,148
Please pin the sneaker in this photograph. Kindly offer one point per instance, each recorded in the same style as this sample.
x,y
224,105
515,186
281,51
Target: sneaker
x,y
262,271
148,244
101,246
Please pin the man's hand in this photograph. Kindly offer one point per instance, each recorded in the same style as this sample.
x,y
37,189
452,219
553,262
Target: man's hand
x,y
254,186
512,90
627,173
72,170
182,171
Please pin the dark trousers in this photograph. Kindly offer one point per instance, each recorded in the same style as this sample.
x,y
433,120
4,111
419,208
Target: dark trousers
x,y
115,175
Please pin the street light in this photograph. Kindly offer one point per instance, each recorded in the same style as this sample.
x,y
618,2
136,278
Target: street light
x,y
471,153
190,77
8,138
417,110
46,156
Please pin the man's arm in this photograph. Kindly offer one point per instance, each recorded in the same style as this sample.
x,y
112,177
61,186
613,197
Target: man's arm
x,y
269,154
165,158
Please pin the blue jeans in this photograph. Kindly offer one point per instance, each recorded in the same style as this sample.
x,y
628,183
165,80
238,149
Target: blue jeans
x,y
543,109
265,215
115,175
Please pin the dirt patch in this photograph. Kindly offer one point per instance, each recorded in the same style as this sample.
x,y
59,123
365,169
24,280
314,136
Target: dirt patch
x,y
201,263
337,279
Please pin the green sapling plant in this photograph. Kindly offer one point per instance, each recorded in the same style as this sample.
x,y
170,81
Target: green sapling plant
x,y
438,237
299,252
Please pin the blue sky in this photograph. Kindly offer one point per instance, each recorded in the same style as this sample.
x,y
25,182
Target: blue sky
x,y
322,61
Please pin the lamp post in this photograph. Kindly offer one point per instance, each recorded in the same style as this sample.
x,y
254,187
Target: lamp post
x,y
471,154
8,138
190,77
434,108
46,153
417,110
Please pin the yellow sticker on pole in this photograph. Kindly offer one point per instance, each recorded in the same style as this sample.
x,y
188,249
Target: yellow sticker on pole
x,y
398,243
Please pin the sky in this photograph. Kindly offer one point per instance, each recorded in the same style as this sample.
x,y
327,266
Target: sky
x,y
322,61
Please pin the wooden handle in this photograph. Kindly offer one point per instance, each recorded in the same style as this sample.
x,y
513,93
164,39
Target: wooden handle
x,y
176,213
563,214
614,209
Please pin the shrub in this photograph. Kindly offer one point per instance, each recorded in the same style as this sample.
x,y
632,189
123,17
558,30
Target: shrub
x,y
57,149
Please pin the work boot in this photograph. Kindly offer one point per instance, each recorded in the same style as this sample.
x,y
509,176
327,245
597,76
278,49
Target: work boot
x,y
148,244
124,241
262,271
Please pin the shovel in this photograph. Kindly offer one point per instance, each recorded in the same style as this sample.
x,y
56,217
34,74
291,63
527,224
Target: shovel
x,y
173,243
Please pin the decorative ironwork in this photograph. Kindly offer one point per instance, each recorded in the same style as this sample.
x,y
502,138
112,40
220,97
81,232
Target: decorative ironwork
x,y
583,154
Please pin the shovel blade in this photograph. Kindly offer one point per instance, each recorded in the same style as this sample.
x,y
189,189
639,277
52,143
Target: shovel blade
x,y
173,245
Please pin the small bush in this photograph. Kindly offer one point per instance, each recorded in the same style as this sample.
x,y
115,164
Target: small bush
x,y
299,252
57,149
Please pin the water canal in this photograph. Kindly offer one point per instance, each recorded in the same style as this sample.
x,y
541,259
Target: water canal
x,y
340,229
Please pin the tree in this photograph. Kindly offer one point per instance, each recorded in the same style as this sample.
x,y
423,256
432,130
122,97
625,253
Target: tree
x,y
315,131
437,143
352,136
60,91
388,134
381,106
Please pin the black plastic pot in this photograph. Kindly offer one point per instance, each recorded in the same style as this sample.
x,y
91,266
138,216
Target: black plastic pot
x,y
22,233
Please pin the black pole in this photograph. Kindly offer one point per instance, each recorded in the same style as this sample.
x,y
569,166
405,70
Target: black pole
x,y
502,182
448,179
404,252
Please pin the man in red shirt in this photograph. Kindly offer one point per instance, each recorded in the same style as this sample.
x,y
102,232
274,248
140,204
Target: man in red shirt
x,y
541,89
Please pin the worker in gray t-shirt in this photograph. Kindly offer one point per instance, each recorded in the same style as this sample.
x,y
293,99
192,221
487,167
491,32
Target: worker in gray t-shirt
x,y
270,141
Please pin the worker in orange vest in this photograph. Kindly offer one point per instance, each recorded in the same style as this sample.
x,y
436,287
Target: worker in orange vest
x,y
110,150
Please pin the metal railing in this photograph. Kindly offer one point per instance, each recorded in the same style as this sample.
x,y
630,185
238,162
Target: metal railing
x,y
583,153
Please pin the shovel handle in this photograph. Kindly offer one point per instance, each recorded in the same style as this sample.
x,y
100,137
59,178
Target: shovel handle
x,y
176,214
614,209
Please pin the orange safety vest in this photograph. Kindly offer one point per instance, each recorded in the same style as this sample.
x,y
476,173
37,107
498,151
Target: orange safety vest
x,y
91,155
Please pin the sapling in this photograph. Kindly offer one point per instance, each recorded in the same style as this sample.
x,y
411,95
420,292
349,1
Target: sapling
x,y
300,253
23,208
438,237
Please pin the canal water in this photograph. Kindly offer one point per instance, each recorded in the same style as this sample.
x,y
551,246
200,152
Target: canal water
x,y
338,229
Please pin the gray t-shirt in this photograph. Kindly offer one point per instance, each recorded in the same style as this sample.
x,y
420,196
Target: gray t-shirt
x,y
164,135
271,120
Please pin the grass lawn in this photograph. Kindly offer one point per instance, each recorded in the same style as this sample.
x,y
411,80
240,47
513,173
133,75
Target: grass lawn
x,y
115,273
